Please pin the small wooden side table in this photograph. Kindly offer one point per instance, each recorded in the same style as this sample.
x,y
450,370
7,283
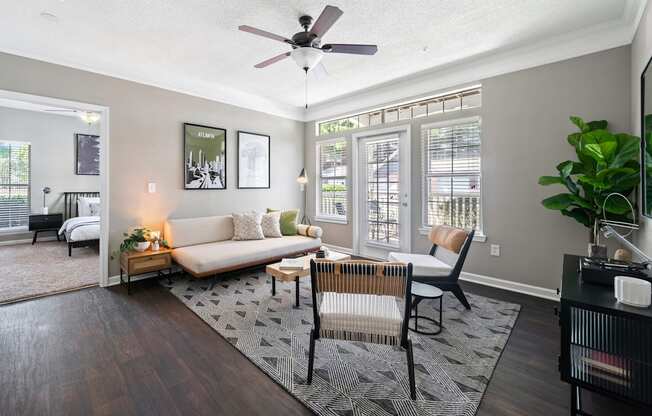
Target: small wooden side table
x,y
133,263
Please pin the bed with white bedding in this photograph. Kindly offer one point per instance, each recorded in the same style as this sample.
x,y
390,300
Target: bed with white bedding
x,y
81,227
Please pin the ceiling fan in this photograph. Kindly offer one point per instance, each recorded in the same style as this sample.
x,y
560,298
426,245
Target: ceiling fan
x,y
307,50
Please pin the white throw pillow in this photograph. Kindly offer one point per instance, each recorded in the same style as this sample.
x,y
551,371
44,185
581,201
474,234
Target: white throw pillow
x,y
247,226
271,224
84,206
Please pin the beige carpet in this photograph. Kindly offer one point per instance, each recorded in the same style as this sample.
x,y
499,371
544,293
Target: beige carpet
x,y
34,270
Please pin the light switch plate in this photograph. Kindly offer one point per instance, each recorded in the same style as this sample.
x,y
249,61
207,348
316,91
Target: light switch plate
x,y
151,187
495,250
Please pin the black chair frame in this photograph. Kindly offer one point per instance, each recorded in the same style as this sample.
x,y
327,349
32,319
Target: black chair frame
x,y
450,283
406,343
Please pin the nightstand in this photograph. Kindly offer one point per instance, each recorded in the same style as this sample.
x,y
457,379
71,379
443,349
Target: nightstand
x,y
133,263
45,222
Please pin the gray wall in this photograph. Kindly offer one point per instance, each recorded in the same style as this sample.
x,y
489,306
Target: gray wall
x,y
524,128
146,145
641,54
52,139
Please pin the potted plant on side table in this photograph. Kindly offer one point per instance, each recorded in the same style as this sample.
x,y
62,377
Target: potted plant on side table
x,y
607,163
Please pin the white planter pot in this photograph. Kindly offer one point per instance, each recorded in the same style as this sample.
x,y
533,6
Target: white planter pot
x,y
142,246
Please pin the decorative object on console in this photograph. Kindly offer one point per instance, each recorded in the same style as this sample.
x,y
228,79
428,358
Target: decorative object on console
x,y
302,179
247,226
253,161
608,162
623,255
632,291
88,154
204,157
136,240
46,190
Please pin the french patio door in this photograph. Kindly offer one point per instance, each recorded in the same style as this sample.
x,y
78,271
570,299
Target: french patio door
x,y
383,194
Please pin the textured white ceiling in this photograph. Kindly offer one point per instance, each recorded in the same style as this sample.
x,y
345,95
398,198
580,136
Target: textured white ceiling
x,y
194,45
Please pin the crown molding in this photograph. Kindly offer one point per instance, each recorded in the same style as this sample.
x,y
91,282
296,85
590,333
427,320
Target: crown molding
x,y
199,89
574,44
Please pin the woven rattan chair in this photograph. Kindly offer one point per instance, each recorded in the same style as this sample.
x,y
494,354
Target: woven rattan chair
x,y
362,301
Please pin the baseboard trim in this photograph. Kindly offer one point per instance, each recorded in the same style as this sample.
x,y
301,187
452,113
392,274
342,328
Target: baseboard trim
x,y
536,291
25,241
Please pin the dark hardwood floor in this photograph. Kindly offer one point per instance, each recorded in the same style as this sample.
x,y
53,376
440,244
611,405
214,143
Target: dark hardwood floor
x,y
100,352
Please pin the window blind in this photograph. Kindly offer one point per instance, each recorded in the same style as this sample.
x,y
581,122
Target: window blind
x,y
452,175
14,184
332,188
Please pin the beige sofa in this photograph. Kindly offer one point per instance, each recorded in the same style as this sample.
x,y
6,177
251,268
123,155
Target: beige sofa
x,y
204,247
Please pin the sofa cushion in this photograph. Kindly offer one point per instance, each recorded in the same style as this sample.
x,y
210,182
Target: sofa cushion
x,y
247,226
288,220
209,257
271,225
361,313
191,231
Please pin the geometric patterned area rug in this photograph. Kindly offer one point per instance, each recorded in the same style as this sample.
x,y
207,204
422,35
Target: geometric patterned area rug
x,y
452,369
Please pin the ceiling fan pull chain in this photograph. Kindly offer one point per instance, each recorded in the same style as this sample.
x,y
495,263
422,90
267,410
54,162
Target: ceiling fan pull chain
x,y
306,97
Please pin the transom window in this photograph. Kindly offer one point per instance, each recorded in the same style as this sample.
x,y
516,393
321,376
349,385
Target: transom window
x,y
331,182
452,174
444,103
14,185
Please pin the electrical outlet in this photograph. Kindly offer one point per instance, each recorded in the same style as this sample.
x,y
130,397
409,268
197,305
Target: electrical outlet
x,y
495,250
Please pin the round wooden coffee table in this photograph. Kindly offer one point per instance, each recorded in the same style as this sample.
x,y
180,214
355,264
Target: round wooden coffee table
x,y
421,291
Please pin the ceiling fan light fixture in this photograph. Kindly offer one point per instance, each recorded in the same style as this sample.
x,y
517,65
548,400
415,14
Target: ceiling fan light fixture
x,y
307,57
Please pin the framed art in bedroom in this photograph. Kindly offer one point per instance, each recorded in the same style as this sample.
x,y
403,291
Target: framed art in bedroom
x,y
253,160
204,163
87,157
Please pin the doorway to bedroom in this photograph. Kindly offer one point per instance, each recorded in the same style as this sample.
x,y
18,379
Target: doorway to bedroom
x,y
50,205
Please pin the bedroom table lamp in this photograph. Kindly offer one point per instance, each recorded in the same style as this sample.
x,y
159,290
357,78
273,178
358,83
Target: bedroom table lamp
x,y
46,190
302,179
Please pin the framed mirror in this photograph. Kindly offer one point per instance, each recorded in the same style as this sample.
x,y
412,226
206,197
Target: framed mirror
x,y
646,139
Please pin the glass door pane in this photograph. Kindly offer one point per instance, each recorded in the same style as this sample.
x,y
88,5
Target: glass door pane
x,y
383,185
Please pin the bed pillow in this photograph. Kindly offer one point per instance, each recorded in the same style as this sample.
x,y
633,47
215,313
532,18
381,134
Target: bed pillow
x,y
247,226
288,220
84,206
271,225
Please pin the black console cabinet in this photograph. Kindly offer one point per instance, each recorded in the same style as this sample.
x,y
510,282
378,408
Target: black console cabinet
x,y
606,347
45,222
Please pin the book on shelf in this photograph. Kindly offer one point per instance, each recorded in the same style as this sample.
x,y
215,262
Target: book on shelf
x,y
292,264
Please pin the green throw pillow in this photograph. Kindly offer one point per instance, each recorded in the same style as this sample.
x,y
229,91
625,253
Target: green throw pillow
x,y
288,220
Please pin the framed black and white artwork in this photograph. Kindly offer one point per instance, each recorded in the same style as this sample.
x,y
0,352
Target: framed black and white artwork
x,y
204,163
253,161
87,158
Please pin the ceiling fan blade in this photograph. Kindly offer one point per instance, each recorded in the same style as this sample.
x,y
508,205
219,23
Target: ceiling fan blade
x,y
264,34
350,48
326,19
319,72
275,59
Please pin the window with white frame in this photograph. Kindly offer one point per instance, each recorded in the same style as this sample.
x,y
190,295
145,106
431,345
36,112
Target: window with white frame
x,y
451,174
14,185
331,180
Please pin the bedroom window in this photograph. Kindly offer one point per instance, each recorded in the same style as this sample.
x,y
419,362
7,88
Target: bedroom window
x,y
14,185
452,175
331,181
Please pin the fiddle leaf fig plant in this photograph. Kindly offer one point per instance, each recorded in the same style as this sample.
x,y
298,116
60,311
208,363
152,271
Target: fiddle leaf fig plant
x,y
607,163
